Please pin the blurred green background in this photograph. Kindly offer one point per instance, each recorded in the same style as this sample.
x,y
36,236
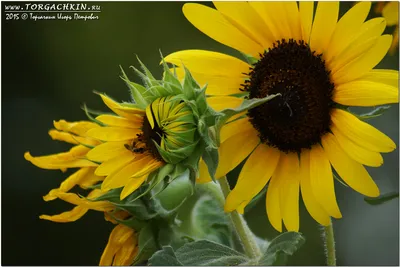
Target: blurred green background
x,y
50,68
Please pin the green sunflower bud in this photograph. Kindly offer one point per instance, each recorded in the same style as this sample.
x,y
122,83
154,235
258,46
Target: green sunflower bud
x,y
172,127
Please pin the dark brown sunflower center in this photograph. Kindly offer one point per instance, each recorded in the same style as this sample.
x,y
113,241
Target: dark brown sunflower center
x,y
144,141
301,115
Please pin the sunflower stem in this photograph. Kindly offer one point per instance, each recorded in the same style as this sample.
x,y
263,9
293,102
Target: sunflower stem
x,y
243,231
329,241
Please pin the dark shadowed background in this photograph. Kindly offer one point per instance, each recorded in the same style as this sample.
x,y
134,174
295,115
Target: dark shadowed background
x,y
50,68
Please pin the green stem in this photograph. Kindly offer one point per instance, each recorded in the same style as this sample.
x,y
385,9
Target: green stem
x,y
329,240
246,236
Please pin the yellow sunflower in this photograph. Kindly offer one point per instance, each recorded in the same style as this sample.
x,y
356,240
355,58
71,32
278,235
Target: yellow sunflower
x,y
122,246
125,149
390,11
319,65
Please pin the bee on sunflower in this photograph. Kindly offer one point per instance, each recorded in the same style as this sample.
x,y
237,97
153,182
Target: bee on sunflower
x,y
320,66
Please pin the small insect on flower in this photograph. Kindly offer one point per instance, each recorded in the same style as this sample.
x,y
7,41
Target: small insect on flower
x,y
319,65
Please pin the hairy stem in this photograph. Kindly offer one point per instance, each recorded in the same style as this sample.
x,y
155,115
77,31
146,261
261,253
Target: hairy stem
x,y
246,236
329,241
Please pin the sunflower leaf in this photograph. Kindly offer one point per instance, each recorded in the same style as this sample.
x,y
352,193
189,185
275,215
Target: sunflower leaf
x,y
170,79
167,202
189,84
382,198
246,105
150,80
147,245
211,158
164,257
132,222
87,112
208,253
210,222
280,248
136,90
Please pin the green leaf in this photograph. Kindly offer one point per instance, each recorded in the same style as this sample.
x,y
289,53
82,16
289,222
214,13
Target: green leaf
x,y
155,178
87,112
210,222
174,195
189,84
211,158
280,248
132,222
149,78
255,200
137,90
207,253
246,105
170,79
147,244
164,257
374,113
381,199
169,234
201,100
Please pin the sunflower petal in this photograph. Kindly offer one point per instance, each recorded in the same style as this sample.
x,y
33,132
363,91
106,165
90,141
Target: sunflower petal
x,y
219,28
361,133
293,18
365,93
230,155
109,166
204,176
352,172
132,185
244,17
364,40
79,128
72,139
322,181
224,74
357,153
347,28
93,205
364,63
126,254
119,235
112,120
235,127
106,151
113,133
67,216
72,159
120,176
69,183
273,204
254,176
130,113
289,190
306,10
391,13
275,17
311,203
388,77
325,20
